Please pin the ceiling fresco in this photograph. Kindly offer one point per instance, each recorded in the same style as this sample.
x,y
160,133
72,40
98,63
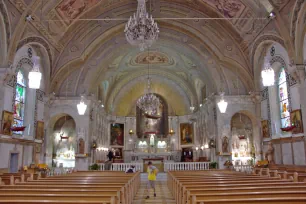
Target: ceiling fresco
x,y
72,9
228,8
193,52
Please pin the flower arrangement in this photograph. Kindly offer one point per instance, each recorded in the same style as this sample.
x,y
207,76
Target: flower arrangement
x,y
228,163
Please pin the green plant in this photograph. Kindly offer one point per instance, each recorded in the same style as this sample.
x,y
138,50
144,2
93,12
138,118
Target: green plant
x,y
94,167
213,165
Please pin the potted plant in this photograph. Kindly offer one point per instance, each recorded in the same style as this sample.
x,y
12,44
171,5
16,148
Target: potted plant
x,y
94,167
213,165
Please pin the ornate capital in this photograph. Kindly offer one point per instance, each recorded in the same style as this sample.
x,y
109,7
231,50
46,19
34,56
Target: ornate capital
x,y
299,72
255,96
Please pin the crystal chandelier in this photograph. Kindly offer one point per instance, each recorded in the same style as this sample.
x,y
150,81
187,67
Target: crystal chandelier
x,y
35,74
222,104
267,74
141,30
149,102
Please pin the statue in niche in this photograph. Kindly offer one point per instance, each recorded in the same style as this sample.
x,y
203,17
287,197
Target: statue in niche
x,y
225,144
81,146
269,155
152,142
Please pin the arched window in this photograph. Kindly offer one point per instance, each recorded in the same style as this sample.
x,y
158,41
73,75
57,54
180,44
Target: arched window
x,y
19,101
283,98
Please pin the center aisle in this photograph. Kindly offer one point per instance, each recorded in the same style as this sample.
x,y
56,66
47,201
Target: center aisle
x,y
163,195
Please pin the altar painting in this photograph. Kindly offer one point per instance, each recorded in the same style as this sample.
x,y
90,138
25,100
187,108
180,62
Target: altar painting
x,y
117,134
153,121
297,122
186,133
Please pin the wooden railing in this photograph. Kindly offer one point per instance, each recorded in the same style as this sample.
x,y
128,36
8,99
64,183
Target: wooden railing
x,y
174,166
122,166
244,168
59,171
186,166
125,166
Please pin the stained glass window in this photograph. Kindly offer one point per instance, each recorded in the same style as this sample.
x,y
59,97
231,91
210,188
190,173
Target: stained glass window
x,y
19,101
283,99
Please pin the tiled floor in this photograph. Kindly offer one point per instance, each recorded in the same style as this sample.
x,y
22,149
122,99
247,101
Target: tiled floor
x,y
163,195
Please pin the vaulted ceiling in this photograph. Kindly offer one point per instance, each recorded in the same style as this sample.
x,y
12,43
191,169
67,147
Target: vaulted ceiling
x,y
204,44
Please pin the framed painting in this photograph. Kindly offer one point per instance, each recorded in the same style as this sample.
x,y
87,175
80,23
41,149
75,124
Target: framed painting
x,y
297,121
117,134
265,129
40,130
186,133
7,122
37,148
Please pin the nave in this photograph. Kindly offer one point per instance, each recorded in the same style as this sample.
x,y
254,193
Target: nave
x,y
209,93
180,187
163,194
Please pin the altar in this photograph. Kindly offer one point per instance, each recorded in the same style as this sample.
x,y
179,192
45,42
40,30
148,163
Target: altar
x,y
157,162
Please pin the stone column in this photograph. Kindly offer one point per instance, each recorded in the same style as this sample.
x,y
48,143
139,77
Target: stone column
x,y
257,136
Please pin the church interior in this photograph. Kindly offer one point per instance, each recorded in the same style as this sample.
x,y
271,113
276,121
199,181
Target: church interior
x,y
211,92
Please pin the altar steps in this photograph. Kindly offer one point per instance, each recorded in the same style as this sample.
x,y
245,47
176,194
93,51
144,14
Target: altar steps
x,y
163,195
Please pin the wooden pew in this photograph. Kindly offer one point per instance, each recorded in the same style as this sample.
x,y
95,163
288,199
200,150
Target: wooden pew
x,y
114,188
234,189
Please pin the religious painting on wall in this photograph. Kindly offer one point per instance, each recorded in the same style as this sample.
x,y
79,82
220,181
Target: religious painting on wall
x,y
155,123
7,122
265,129
40,130
117,134
186,132
297,121
71,9
225,143
229,8
37,148
81,146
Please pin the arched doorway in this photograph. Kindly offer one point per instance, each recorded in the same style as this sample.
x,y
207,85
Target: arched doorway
x,y
243,151
64,144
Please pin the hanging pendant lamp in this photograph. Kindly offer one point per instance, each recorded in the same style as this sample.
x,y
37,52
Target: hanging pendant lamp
x,y
267,74
35,74
82,106
222,103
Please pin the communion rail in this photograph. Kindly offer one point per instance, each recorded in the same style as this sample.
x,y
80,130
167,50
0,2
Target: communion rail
x,y
168,166
121,166
186,166
244,168
55,171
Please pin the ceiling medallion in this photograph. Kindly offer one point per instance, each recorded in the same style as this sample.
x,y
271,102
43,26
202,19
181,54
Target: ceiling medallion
x,y
141,30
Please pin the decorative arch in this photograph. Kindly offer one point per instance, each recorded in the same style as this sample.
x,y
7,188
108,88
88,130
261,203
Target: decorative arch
x,y
294,20
262,40
40,41
186,87
298,29
3,11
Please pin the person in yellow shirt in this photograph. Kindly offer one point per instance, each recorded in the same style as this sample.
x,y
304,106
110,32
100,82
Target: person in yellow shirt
x,y
152,173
